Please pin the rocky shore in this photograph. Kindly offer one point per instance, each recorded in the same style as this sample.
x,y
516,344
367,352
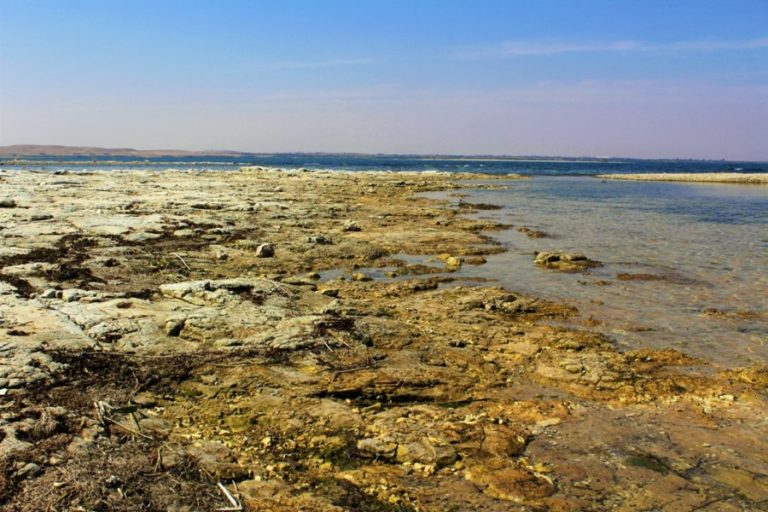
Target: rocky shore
x,y
704,177
257,340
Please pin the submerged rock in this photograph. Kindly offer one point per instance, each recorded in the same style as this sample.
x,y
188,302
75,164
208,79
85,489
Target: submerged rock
x,y
564,261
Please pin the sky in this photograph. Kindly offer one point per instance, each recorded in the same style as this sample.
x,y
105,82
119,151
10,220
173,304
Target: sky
x,y
647,79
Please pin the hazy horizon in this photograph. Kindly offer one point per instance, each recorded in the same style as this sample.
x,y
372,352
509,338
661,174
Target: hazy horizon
x,y
651,80
225,152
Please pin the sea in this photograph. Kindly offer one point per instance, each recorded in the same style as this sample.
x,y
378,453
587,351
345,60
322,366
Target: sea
x,y
685,265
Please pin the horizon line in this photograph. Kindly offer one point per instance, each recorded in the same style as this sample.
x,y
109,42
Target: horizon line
x,y
224,152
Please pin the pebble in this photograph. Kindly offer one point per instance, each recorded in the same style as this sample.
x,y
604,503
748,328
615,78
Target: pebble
x,y
351,225
265,251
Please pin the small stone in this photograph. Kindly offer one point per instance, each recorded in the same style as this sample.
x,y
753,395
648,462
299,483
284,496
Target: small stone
x,y
351,225
426,452
28,470
112,481
453,263
384,448
359,276
73,295
7,203
265,251
51,293
319,240
329,292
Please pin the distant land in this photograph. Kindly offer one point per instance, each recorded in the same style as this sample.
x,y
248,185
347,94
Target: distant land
x,y
31,151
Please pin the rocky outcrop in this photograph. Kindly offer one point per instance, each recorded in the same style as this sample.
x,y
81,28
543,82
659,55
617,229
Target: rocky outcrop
x,y
564,261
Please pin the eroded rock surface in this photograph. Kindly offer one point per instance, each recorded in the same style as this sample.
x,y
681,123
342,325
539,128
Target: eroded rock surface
x,y
149,350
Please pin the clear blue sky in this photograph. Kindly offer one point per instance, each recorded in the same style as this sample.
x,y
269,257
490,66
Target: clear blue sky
x,y
671,78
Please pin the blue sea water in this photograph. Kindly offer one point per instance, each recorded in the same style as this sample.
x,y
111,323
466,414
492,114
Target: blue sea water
x,y
553,167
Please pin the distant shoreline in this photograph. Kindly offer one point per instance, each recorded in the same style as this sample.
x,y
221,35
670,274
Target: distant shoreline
x,y
32,152
713,177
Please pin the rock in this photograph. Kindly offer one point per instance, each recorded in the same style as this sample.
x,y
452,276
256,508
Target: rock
x,y
564,261
265,251
300,281
213,457
51,293
156,426
228,343
10,443
511,483
425,451
532,233
351,225
378,447
219,254
74,294
453,263
502,441
319,240
359,276
28,470
7,203
173,326
329,292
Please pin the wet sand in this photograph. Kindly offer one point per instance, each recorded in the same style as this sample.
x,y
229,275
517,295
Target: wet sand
x,y
709,177
164,332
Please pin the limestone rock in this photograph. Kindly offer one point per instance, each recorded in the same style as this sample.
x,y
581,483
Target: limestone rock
x,y
565,262
427,451
378,447
319,240
351,225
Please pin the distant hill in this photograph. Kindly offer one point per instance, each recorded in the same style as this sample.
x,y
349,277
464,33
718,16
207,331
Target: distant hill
x,y
32,150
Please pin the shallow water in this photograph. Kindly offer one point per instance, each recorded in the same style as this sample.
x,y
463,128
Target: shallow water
x,y
707,244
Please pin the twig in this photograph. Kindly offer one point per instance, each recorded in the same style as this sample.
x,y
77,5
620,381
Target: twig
x,y
128,429
236,505
182,260
103,417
